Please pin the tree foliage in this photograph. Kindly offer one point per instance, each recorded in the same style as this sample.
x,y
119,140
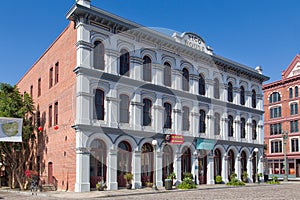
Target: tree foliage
x,y
15,155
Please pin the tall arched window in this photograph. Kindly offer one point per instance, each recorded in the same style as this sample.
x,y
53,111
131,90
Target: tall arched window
x,y
254,132
230,163
217,124
274,97
167,161
201,85
253,99
230,126
186,161
230,92
202,121
167,115
99,104
124,108
296,91
242,95
147,69
124,63
147,112
124,162
216,88
185,79
167,74
217,163
243,128
185,118
147,163
98,55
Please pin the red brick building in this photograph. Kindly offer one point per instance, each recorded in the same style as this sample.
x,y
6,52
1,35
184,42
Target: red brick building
x,y
281,100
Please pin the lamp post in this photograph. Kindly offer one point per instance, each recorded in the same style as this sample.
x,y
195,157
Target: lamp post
x,y
154,143
256,163
285,137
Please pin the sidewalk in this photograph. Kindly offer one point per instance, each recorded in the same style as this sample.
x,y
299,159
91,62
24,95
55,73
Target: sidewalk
x,y
120,192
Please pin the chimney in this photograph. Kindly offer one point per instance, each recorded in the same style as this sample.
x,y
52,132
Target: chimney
x,y
86,3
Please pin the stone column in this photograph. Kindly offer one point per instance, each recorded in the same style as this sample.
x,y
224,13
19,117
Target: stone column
x,y
224,125
250,168
194,83
112,183
178,118
177,167
136,110
176,79
158,114
210,88
236,95
249,130
136,169
210,168
238,167
195,168
237,127
248,100
259,101
158,74
136,64
111,62
225,168
159,181
112,110
83,46
82,170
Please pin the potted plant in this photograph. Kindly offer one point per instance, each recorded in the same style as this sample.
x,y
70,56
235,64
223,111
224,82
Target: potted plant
x,y
219,179
259,177
169,181
128,177
101,185
245,176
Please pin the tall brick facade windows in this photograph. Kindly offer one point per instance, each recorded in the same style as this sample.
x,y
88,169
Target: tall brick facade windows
x,y
39,87
51,77
275,129
275,112
294,128
99,104
31,90
276,146
50,116
98,55
55,122
274,97
291,93
295,145
294,109
296,91
56,73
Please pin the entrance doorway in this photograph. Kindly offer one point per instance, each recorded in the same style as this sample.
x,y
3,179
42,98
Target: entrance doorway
x,y
50,173
124,162
167,162
202,172
147,163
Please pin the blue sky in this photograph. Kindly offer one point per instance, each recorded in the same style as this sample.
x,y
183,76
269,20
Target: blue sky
x,y
251,32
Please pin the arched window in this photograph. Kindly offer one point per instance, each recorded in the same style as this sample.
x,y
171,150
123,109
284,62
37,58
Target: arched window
x,y
296,91
202,121
242,95
216,88
254,132
291,92
147,112
185,118
243,162
186,161
253,99
147,163
98,55
217,163
217,124
124,108
99,105
230,126
185,79
243,128
230,92
124,63
167,74
124,162
274,97
201,85
167,161
230,163
167,115
147,69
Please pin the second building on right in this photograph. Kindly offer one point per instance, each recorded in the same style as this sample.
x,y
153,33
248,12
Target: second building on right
x,y
281,128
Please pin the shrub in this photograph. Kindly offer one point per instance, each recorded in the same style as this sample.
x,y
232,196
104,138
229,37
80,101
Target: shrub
x,y
188,175
234,181
219,179
274,180
187,183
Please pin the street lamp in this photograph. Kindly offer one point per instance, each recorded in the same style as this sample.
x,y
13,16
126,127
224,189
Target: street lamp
x,y
154,143
285,137
256,156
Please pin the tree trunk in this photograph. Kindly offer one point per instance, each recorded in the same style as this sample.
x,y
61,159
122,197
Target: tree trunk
x,y
19,181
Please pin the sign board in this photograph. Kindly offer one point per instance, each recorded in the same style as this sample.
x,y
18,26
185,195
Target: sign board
x,y
11,129
205,144
176,139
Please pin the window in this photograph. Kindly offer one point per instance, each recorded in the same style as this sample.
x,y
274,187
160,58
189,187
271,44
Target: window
x,y
39,87
147,112
230,126
99,104
295,144
274,97
243,128
201,85
216,89
230,92
147,71
276,146
50,116
275,112
217,124
185,79
254,131
253,99
98,55
294,108
51,77
55,113
31,90
167,74
124,63
296,91
202,121
275,129
56,72
185,118
294,126
242,95
167,115
291,92
124,108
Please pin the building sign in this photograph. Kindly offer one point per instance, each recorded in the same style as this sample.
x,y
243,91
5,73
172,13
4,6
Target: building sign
x,y
176,139
10,129
205,144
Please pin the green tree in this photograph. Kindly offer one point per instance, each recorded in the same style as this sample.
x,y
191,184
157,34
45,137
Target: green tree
x,y
15,155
